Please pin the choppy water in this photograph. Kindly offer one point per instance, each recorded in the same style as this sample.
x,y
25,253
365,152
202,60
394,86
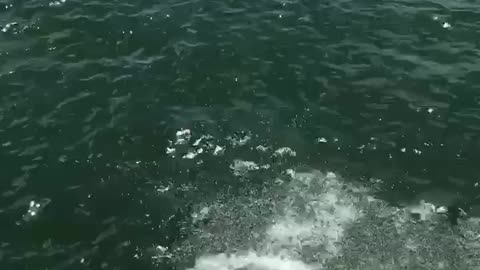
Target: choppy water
x,y
239,134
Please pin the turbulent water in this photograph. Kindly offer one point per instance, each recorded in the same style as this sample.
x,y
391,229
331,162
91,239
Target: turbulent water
x,y
259,135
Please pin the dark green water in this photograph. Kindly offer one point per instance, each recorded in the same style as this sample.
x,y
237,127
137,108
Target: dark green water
x,y
91,93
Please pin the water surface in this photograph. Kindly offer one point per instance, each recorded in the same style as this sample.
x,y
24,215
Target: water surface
x,y
98,171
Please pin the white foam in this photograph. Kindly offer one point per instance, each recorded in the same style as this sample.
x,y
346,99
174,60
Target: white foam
x,y
242,167
284,151
317,211
239,140
170,151
183,136
290,172
8,26
249,261
261,148
190,155
198,216
56,3
424,210
202,138
219,150
441,210
316,221
312,216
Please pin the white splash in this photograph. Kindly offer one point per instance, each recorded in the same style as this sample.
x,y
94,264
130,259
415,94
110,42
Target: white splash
x,y
249,261
284,151
321,140
290,172
170,151
34,208
56,3
261,148
193,154
219,150
314,215
309,223
183,136
417,152
8,26
161,252
189,155
203,138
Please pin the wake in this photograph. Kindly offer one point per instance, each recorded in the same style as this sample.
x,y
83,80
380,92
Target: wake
x,y
322,222
309,220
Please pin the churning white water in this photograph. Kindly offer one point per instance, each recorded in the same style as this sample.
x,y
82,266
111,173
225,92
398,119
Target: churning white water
x,y
323,222
309,220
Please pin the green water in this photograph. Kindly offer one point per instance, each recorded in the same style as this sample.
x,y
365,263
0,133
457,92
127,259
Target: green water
x,y
92,94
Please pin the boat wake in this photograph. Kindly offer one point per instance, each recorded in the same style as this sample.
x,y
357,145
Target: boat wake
x,y
309,220
323,222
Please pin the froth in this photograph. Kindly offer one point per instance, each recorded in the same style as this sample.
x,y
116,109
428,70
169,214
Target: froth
x,y
316,212
309,222
320,222
248,261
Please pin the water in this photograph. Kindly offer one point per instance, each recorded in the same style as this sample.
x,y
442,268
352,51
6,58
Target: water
x,y
239,134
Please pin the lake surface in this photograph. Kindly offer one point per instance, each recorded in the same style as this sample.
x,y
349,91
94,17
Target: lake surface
x,y
265,135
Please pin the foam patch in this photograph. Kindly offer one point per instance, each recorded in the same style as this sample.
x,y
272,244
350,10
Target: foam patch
x,y
318,221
